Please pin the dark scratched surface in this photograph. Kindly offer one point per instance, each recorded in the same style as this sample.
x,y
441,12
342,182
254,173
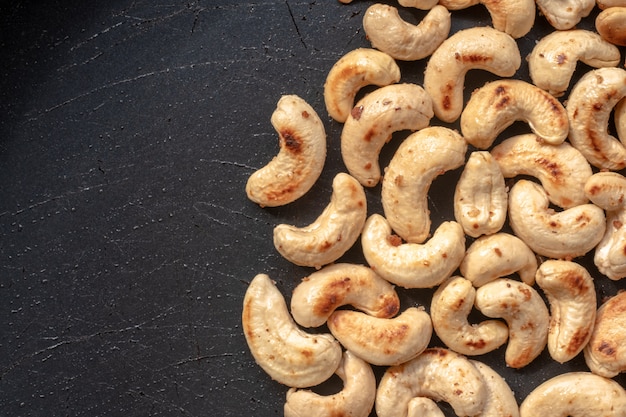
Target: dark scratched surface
x,y
127,132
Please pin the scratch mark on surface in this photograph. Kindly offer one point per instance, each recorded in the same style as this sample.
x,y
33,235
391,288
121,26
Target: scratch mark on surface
x,y
293,20
95,35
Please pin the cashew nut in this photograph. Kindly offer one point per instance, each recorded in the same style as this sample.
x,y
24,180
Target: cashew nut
x,y
605,4
288,354
418,4
373,121
619,116
334,232
563,15
299,163
561,235
575,394
356,399
353,71
611,25
451,304
412,265
607,190
589,107
572,296
501,400
423,407
491,257
388,32
498,104
474,48
553,60
437,373
419,159
525,312
382,341
316,297
561,169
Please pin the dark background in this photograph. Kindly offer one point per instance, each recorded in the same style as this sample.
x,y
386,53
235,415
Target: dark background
x,y
127,132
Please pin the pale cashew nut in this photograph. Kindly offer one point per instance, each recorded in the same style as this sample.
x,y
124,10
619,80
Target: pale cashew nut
x,y
437,373
575,394
482,48
572,296
501,400
388,32
495,256
611,25
418,4
619,116
419,159
451,305
353,71
423,407
356,399
553,60
382,341
373,121
299,163
498,104
607,190
412,265
561,169
565,234
334,232
563,15
525,312
316,297
288,354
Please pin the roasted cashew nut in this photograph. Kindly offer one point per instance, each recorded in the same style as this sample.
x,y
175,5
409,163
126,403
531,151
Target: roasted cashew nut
x,y
412,265
607,190
373,121
331,235
563,15
501,400
353,71
605,4
316,297
288,354
572,296
611,25
388,32
619,116
381,341
482,48
419,159
418,4
553,60
299,163
356,399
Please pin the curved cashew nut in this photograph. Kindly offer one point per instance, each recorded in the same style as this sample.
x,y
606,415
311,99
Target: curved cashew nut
x,y
498,104
561,169
611,25
607,190
288,354
437,373
382,341
316,297
553,60
388,32
563,15
353,71
373,121
491,257
605,4
561,235
356,399
501,400
474,48
525,312
419,159
572,296
619,115
299,163
589,107
412,265
480,197
451,304
575,394
334,232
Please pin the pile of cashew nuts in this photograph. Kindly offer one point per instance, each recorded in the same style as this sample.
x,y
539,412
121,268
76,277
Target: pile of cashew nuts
x,y
565,199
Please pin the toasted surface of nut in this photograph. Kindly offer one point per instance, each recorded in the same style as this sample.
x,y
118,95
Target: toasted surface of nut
x,y
501,400
611,24
563,15
607,190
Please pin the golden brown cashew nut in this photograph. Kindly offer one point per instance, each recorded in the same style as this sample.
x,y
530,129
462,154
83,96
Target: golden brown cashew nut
x,y
288,354
299,163
316,297
553,60
572,296
607,190
563,15
419,159
501,400
388,32
498,104
605,4
482,48
372,122
619,115
353,71
356,399
381,341
611,25
331,235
